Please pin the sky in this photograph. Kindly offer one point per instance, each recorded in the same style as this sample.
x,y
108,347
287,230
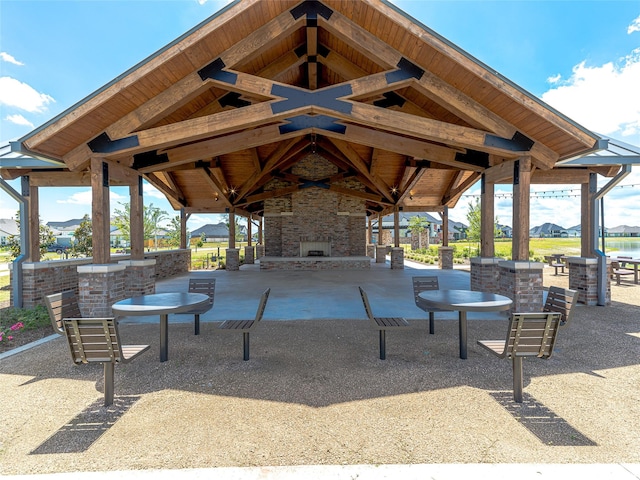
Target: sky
x,y
580,57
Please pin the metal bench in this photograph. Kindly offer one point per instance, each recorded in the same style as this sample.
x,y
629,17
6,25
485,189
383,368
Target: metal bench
x,y
528,335
60,306
618,271
421,284
560,300
208,287
245,326
98,340
382,324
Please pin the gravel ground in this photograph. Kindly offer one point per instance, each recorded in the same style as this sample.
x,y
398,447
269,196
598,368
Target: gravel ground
x,y
315,393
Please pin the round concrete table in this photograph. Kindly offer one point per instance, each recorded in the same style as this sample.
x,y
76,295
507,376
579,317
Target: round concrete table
x,y
465,301
160,304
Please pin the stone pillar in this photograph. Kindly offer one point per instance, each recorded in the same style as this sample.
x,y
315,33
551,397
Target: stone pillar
x,y
397,258
381,253
233,259
99,287
259,250
485,274
248,255
445,258
371,250
384,237
583,278
140,277
522,282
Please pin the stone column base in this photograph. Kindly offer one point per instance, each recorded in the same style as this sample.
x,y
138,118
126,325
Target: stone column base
x,y
248,255
371,250
99,287
233,259
140,277
397,258
259,250
445,258
381,253
522,282
583,278
485,274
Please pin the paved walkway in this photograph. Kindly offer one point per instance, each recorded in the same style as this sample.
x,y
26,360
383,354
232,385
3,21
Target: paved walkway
x,y
315,401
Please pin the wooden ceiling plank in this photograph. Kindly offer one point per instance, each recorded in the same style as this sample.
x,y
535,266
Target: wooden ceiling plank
x,y
361,166
360,39
217,188
411,182
452,194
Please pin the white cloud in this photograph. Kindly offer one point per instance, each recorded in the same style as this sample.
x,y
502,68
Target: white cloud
x,y
605,98
151,191
84,198
19,120
634,27
5,57
15,93
554,79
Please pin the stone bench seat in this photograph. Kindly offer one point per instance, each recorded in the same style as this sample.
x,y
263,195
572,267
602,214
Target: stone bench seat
x,y
315,263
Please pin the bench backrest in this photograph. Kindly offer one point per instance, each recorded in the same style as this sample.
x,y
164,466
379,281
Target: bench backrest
x,y
365,301
262,305
560,300
93,340
203,285
60,306
422,284
532,334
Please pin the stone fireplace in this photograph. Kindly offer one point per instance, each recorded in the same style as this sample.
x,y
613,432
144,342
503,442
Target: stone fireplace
x,y
315,223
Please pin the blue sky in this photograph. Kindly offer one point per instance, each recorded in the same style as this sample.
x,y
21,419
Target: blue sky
x,y
581,57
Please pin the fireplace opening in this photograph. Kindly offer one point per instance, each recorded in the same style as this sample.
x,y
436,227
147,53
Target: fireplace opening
x,y
315,248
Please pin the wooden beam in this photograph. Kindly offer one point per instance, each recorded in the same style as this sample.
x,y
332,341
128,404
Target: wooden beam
x,y
521,209
100,211
175,199
218,189
460,189
136,220
487,219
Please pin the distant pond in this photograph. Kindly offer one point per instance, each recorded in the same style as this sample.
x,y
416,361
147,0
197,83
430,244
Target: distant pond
x,y
629,247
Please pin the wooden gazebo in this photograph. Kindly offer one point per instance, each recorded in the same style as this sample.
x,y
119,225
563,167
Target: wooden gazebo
x,y
226,119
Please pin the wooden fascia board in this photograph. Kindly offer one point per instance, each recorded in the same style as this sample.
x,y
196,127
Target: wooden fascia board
x,y
485,74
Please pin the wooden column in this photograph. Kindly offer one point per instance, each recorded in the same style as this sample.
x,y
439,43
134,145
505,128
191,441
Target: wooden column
x,y
445,226
521,208
396,227
232,228
100,211
249,230
587,234
183,228
487,219
136,220
260,239
30,192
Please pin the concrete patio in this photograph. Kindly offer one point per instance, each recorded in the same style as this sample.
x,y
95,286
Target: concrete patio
x,y
315,401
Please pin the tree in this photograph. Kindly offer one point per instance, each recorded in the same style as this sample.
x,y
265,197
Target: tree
x,y
83,244
474,217
417,225
45,235
151,217
174,231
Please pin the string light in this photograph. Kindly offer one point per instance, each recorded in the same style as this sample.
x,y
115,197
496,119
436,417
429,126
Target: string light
x,y
566,193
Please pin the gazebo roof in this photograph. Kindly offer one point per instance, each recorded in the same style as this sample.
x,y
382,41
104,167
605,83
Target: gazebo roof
x,y
237,101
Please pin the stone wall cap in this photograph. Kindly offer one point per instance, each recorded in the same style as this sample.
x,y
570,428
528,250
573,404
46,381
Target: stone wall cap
x,y
138,263
104,268
53,263
445,248
583,260
521,265
485,260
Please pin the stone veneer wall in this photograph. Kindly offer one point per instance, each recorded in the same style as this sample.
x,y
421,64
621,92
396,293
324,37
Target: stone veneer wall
x,y
523,283
583,278
314,214
99,287
45,278
485,274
